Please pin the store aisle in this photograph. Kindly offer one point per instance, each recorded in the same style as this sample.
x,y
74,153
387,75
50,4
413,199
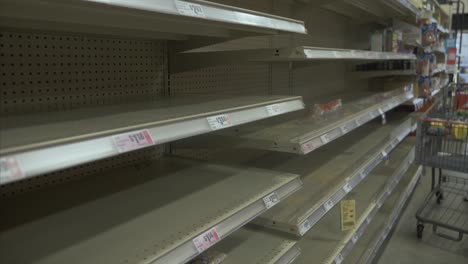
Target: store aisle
x,y
404,247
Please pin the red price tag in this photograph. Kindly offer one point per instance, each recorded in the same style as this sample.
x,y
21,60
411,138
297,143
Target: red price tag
x,y
133,140
9,168
206,240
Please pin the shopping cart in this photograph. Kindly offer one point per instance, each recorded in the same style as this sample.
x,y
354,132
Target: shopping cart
x,y
443,145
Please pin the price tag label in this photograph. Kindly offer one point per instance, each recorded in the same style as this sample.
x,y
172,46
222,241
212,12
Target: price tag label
x,y
219,121
368,219
362,174
379,203
310,146
132,140
274,109
328,205
355,238
384,154
271,199
339,259
304,227
9,168
325,139
206,240
347,187
189,9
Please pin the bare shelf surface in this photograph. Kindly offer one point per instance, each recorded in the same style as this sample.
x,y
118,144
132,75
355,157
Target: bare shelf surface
x,y
330,173
375,10
307,131
64,139
327,242
256,245
168,19
368,245
167,211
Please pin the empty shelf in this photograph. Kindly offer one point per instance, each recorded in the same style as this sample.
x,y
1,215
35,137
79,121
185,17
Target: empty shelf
x,y
379,11
373,74
327,242
167,211
367,246
39,143
330,173
256,245
306,132
168,19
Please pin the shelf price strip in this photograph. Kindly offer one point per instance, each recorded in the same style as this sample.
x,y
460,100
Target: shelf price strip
x,y
274,109
219,121
190,9
271,200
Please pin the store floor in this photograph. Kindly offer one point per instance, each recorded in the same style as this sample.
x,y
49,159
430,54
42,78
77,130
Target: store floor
x,y
404,247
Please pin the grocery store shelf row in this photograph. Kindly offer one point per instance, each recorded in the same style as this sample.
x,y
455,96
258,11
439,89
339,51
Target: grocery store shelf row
x,y
167,211
34,144
330,173
329,241
168,19
308,130
370,242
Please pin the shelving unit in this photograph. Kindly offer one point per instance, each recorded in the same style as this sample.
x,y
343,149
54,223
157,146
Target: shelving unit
x,y
327,242
304,133
251,244
166,19
367,247
331,173
147,213
373,74
108,131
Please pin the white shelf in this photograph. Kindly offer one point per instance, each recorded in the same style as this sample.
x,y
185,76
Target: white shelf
x,y
256,245
326,242
330,173
374,10
169,19
149,213
370,242
373,74
38,143
437,71
306,132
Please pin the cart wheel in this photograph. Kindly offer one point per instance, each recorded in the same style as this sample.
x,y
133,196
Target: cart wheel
x,y
420,229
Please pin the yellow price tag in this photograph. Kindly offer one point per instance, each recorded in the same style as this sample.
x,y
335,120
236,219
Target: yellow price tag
x,y
348,214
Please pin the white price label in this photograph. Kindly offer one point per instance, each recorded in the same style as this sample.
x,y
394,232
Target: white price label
x,y
355,238
381,112
379,204
271,199
304,227
325,139
362,174
344,129
132,140
219,121
368,219
9,168
328,205
274,109
339,259
189,9
206,240
384,154
347,187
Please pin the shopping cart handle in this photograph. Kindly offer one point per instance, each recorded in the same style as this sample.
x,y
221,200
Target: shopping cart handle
x,y
459,238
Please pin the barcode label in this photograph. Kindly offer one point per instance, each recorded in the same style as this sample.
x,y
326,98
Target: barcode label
x,y
133,140
328,205
219,121
9,168
304,227
206,240
355,238
274,109
190,9
271,199
347,188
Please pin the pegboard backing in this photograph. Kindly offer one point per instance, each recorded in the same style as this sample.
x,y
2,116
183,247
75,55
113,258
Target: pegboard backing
x,y
236,79
86,170
43,71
